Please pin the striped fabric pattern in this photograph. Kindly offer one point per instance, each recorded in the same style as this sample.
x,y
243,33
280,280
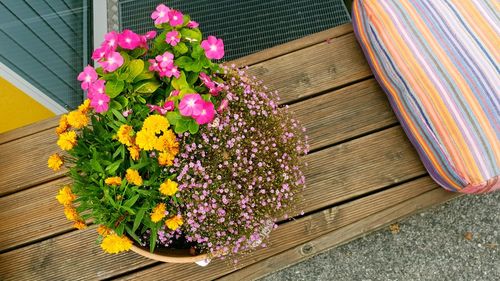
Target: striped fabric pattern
x,y
438,62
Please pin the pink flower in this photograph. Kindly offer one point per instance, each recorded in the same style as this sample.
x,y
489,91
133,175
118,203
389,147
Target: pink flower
x,y
176,18
223,105
170,71
191,104
214,48
211,85
192,24
165,60
153,65
206,114
127,112
87,76
161,14
150,34
112,62
145,38
110,40
100,52
168,106
174,93
173,37
100,102
128,39
96,88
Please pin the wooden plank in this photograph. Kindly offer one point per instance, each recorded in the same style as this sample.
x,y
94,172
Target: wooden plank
x,y
332,176
28,130
349,112
21,213
24,162
294,45
314,69
292,234
75,256
342,235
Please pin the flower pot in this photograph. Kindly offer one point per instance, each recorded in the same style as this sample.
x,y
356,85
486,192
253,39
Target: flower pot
x,y
171,255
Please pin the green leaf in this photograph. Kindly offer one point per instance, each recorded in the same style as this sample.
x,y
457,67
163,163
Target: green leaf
x,y
198,51
119,230
118,115
108,197
122,100
181,48
130,202
184,61
134,68
180,82
139,165
132,234
94,163
145,75
191,34
137,52
115,105
193,127
173,117
152,239
118,151
138,218
123,76
182,125
192,77
114,88
111,169
146,86
128,209
99,71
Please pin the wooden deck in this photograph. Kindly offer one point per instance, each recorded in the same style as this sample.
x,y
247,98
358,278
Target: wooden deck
x,y
363,174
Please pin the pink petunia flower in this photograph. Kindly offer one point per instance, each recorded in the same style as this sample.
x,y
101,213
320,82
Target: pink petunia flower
x,y
214,48
223,105
87,76
191,104
192,24
100,52
168,106
144,39
173,37
206,114
153,65
110,41
174,93
175,17
100,103
170,71
160,15
97,87
165,60
128,39
112,62
213,88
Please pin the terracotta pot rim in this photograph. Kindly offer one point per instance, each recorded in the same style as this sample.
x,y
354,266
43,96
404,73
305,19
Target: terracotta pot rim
x,y
169,255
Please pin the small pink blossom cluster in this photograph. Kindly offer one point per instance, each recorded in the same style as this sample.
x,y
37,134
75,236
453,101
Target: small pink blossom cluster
x,y
244,173
164,65
193,105
99,101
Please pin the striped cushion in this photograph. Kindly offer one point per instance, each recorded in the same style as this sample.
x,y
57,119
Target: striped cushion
x,y
438,62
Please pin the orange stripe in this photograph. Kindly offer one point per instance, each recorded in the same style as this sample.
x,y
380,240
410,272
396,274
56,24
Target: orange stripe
x,y
396,99
429,96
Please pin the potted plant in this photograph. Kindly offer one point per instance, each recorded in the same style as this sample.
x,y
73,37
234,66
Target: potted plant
x,y
174,156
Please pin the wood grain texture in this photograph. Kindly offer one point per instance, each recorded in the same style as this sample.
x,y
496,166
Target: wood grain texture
x,y
291,234
344,234
29,129
294,45
24,161
31,215
315,69
75,256
349,112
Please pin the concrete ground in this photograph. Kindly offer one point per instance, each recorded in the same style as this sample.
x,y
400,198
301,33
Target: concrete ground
x,y
456,241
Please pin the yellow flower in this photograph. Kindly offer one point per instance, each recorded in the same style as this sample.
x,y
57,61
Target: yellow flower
x,y
103,230
114,244
167,143
146,139
67,140
71,213
169,187
156,124
63,124
84,107
158,212
65,196
78,119
174,222
123,135
113,181
55,162
134,152
133,177
79,224
166,159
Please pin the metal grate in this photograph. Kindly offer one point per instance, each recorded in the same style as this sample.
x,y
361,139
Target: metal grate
x,y
245,26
